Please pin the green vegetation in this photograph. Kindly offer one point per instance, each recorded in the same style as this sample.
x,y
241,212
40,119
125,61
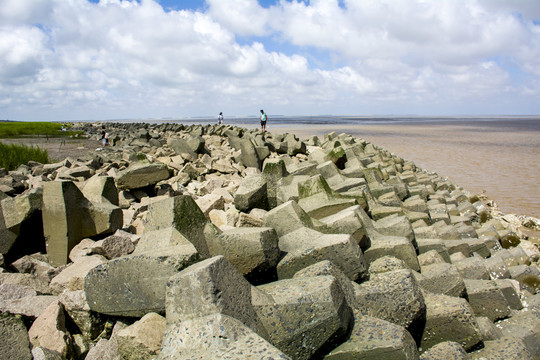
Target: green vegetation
x,y
10,129
11,156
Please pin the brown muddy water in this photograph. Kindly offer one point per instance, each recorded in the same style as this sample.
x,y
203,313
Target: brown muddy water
x,y
498,158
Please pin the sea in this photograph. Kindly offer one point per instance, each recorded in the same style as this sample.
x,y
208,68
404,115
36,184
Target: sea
x,y
498,156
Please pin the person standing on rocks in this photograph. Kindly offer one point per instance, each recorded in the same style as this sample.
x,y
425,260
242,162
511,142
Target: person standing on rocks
x,y
220,119
263,119
104,137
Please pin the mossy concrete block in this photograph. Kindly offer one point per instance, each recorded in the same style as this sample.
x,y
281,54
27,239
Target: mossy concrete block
x,y
252,193
134,285
183,214
449,318
442,279
14,342
141,174
393,296
528,277
340,249
215,336
209,287
487,299
307,316
373,338
253,251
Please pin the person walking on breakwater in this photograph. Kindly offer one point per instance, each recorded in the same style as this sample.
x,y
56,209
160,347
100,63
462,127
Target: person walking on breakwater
x,y
263,119
220,119
104,137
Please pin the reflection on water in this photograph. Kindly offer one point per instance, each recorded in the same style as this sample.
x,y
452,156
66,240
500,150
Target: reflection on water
x,y
501,159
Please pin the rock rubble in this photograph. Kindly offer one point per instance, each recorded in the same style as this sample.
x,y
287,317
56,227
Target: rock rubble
x,y
217,242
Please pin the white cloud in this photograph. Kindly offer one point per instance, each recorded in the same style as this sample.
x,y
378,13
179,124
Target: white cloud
x,y
73,58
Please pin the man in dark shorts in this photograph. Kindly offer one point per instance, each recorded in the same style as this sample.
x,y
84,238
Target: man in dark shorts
x,y
263,119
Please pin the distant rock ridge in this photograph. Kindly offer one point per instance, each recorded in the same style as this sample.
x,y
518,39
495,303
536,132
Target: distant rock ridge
x,y
219,242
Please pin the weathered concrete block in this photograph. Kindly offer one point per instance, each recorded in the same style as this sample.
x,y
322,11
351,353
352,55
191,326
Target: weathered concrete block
x,y
442,279
340,249
326,267
183,214
287,217
72,277
373,338
347,222
506,348
524,326
486,299
511,291
100,189
497,268
395,226
472,268
428,244
449,319
182,148
393,296
249,156
304,316
215,336
253,251
209,287
398,247
134,285
447,350
386,264
21,228
141,174
252,193
41,353
68,217
142,339
49,330
14,342
90,323
528,277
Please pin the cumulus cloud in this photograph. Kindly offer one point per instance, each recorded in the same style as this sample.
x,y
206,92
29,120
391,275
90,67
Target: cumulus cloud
x,y
126,58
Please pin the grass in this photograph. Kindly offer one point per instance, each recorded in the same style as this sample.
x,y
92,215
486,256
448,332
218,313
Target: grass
x,y
11,156
13,129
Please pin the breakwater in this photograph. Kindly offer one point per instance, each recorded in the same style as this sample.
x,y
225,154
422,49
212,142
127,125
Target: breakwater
x,y
195,242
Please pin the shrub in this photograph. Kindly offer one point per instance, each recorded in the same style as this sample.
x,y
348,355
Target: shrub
x,y
11,156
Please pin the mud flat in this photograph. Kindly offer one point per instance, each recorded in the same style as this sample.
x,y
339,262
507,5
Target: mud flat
x,y
198,242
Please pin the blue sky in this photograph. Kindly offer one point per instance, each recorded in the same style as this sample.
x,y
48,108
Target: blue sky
x,y
111,59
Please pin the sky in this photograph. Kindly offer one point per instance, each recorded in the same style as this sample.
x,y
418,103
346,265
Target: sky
x,y
66,60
